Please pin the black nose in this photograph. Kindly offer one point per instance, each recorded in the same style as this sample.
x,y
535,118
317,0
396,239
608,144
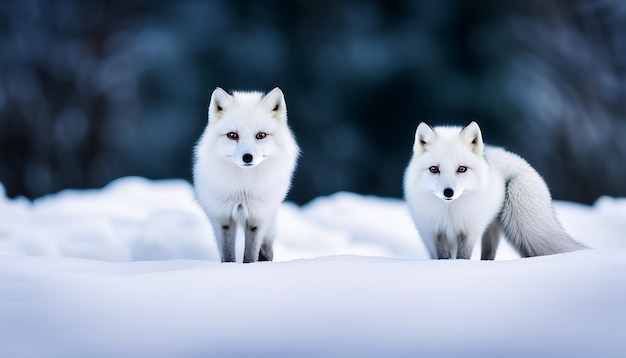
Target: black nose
x,y
247,158
448,193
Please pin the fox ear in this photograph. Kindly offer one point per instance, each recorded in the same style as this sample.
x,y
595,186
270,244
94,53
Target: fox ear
x,y
220,100
275,102
473,137
424,135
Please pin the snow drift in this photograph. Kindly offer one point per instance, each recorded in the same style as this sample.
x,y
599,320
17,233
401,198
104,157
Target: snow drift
x,y
131,270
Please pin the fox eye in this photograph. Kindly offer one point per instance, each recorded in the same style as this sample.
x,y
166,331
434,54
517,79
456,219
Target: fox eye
x,y
461,169
434,169
232,136
261,135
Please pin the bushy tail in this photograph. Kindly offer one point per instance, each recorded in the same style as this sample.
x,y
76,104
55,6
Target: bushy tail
x,y
527,218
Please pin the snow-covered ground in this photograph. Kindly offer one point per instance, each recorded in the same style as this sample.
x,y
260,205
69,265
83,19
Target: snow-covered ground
x,y
131,270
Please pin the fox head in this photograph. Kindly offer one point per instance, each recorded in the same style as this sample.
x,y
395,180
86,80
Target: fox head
x,y
246,125
449,160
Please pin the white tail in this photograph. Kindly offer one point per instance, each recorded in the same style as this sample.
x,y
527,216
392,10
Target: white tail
x,y
527,217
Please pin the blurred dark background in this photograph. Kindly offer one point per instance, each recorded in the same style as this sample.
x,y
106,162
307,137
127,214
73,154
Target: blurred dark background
x,y
94,90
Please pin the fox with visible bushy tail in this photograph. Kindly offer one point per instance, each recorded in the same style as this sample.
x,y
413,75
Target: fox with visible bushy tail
x,y
243,165
459,190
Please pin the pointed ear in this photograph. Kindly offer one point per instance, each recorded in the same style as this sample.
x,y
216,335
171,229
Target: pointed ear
x,y
473,137
424,136
275,103
220,100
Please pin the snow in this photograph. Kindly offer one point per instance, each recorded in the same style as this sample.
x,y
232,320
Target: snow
x,y
131,270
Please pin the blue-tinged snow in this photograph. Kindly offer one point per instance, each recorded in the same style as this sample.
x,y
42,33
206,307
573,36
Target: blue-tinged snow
x,y
131,270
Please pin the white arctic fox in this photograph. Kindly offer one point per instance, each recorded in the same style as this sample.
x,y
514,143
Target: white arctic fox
x,y
243,164
459,190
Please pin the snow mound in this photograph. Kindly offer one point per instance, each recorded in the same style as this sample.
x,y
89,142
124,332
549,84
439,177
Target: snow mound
x,y
132,270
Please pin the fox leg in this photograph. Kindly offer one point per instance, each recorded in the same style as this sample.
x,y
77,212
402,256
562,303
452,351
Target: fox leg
x,y
490,241
441,245
226,233
253,238
267,252
464,250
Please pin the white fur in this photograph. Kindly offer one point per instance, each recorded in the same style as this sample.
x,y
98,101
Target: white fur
x,y
233,192
497,189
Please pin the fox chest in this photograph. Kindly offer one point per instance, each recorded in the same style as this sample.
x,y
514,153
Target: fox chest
x,y
464,215
241,200
230,191
241,204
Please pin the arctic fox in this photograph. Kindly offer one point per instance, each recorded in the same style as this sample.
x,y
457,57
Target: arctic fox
x,y
457,190
243,165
